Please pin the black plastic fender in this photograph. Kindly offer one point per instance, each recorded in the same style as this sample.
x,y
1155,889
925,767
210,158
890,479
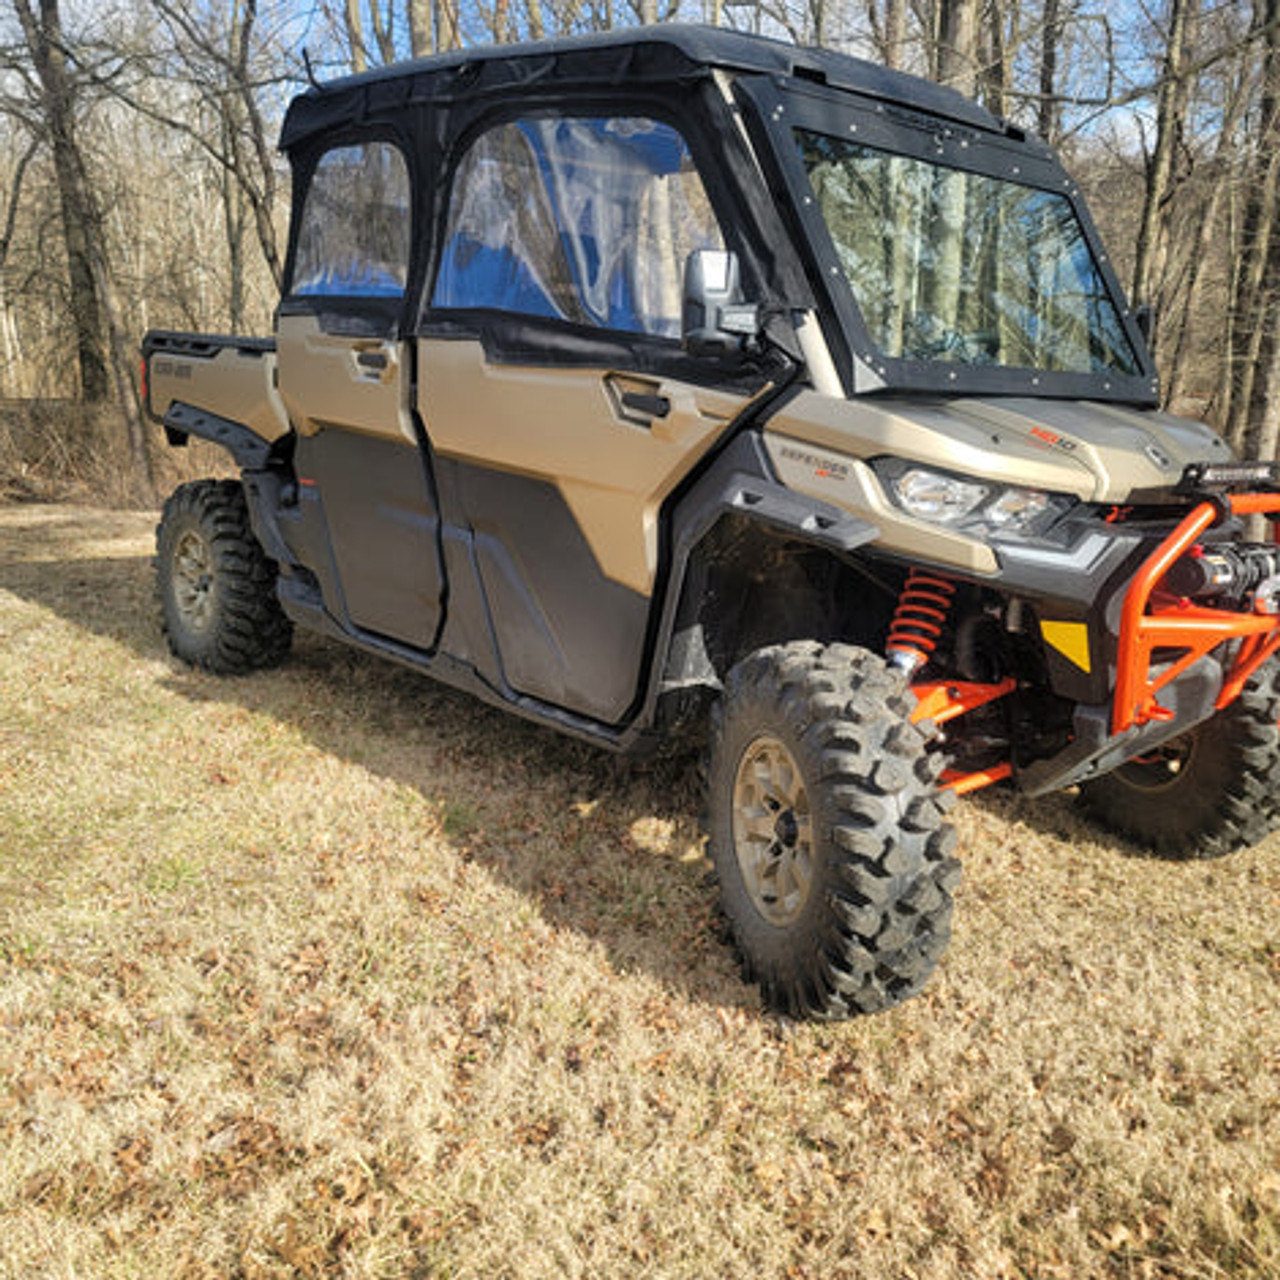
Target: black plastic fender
x,y
250,450
739,482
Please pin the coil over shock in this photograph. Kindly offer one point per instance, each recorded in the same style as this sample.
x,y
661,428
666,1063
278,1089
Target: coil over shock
x,y
922,612
923,609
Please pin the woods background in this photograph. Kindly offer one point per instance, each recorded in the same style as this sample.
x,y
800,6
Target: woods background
x,y
140,185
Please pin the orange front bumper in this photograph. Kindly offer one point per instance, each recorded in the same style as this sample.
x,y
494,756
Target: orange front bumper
x,y
1151,621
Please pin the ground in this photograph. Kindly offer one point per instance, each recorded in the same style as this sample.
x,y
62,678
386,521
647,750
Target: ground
x,y
330,971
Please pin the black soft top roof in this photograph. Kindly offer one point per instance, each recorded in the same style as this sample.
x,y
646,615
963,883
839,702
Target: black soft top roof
x,y
665,53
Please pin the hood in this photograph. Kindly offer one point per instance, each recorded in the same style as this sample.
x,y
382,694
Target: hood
x,y
1098,452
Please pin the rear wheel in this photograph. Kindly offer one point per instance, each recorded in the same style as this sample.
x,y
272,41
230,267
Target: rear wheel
x,y
826,831
1208,792
215,584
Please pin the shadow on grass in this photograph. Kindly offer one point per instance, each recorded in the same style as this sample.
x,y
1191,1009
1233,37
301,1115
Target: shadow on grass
x,y
1062,818
606,848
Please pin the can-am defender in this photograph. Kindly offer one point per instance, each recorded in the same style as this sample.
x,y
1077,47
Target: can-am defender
x,y
676,378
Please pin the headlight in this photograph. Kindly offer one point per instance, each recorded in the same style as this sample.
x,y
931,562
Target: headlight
x,y
1017,508
973,505
932,496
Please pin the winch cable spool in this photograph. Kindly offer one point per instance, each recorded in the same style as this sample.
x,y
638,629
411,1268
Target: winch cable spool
x,y
1241,575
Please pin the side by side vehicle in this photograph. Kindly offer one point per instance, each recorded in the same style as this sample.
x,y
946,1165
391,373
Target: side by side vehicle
x,y
676,385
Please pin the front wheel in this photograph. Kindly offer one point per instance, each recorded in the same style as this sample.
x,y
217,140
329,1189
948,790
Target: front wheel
x,y
826,831
215,584
1208,792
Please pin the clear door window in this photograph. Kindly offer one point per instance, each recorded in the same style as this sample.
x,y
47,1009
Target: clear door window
x,y
583,220
355,233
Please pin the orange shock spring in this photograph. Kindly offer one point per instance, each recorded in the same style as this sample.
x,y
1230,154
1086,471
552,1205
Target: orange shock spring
x,y
918,621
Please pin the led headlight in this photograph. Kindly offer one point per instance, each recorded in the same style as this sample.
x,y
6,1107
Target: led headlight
x,y
943,499
1017,508
973,505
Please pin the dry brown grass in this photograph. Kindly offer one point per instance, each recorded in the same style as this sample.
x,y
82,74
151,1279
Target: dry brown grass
x,y
331,972
63,450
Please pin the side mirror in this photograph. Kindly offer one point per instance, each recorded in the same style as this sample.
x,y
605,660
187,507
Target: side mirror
x,y
714,321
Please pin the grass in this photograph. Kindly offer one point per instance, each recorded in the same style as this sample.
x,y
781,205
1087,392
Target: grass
x,y
332,972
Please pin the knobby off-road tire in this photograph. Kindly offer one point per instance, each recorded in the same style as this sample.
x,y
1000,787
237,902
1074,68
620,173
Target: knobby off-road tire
x,y
826,831
1209,792
215,584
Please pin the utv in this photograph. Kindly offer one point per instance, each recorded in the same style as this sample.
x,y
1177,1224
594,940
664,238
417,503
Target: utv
x,y
675,383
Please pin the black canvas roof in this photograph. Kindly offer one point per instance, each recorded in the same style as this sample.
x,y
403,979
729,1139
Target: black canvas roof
x,y
665,53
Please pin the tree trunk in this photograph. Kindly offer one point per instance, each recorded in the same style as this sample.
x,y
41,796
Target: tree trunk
x,y
998,39
261,200
501,17
355,37
1171,115
106,355
1218,188
123,359
957,59
1264,434
895,29
233,216
1180,365
10,339
45,42
421,37
448,35
14,371
1252,360
1049,114
382,30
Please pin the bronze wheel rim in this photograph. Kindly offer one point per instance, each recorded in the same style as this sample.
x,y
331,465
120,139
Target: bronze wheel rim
x,y
773,830
193,581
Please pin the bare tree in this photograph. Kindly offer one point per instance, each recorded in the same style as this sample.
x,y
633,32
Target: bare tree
x,y
999,37
1254,415
104,350
1180,344
1172,101
215,67
895,29
421,30
10,341
957,49
56,108
355,36
1049,115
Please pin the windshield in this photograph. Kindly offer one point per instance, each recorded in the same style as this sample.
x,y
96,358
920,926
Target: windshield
x,y
959,267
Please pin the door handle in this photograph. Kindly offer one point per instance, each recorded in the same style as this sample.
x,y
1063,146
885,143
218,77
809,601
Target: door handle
x,y
371,359
645,404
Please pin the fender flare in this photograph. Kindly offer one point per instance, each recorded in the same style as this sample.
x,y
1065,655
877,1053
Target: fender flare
x,y
740,482
181,421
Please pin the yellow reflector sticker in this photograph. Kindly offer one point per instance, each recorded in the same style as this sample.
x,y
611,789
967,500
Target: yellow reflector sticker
x,y
1071,639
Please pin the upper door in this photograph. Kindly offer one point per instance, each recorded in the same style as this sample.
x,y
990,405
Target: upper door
x,y
346,376
555,387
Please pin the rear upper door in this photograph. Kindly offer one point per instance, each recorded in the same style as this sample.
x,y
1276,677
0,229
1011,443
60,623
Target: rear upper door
x,y
558,399
345,368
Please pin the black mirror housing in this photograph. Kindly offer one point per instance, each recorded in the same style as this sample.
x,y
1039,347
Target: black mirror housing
x,y
714,321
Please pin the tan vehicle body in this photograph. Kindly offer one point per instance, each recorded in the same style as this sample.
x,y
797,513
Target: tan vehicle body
x,y
679,388
548,423
234,383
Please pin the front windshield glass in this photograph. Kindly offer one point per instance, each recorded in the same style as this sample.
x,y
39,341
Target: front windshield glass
x,y
963,268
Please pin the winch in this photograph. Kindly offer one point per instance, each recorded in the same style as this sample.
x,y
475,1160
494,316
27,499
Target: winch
x,y
1242,575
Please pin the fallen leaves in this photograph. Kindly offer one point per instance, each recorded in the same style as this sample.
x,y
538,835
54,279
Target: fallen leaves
x,y
466,1015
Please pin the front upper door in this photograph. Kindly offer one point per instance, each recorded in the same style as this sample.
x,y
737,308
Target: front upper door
x,y
346,375
556,392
